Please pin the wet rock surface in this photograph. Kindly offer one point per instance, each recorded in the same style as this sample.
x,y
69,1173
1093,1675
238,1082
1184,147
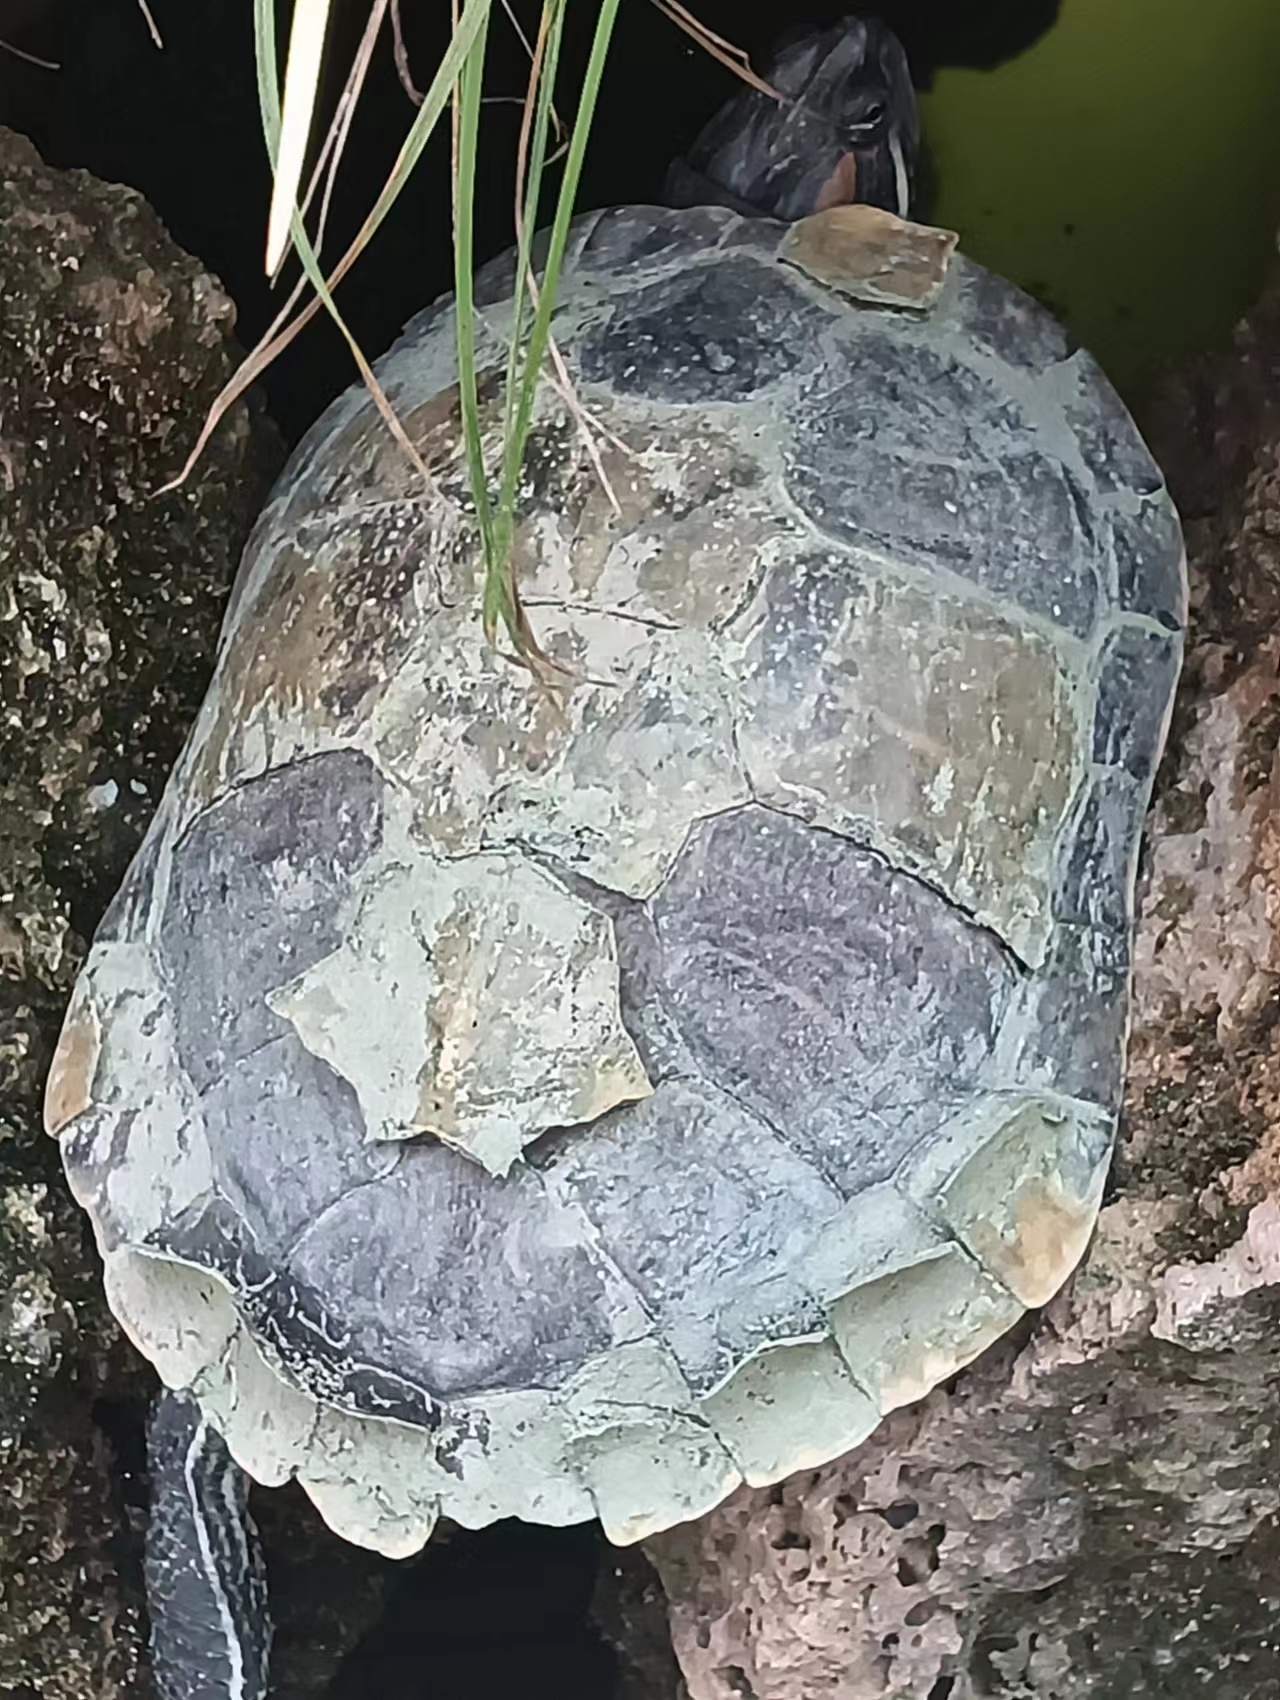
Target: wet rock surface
x,y
112,346
1091,1511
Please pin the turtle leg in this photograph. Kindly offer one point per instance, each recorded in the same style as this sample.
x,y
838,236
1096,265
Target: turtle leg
x,y
205,1576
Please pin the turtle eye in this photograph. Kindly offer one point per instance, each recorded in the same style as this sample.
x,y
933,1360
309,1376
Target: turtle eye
x,y
868,121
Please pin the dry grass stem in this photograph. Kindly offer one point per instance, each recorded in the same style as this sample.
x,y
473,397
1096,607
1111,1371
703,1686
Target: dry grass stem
x,y
145,9
29,58
401,57
301,84
734,59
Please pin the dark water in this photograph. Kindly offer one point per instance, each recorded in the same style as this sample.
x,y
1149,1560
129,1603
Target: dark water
x,y
488,1616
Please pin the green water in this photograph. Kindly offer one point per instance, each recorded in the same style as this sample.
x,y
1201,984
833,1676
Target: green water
x,y
1126,169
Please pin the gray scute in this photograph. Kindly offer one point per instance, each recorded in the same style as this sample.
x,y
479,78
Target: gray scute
x,y
838,997
918,455
720,333
621,238
1072,1026
1094,882
1147,543
464,1281
1113,450
257,881
206,1581
1009,323
713,1250
1136,676
265,1109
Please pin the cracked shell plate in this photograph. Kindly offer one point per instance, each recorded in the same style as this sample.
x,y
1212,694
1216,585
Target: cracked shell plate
x,y
502,1103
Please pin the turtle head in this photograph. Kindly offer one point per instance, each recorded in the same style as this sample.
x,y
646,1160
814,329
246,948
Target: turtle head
x,y
843,128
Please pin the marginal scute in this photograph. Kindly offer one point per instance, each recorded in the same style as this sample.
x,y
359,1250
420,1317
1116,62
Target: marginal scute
x,y
69,1087
139,1154
1065,1029
391,1501
1113,451
1098,852
1035,1233
180,1317
1020,1180
877,1232
644,1479
792,1408
1150,562
1128,720
572,1098
909,1330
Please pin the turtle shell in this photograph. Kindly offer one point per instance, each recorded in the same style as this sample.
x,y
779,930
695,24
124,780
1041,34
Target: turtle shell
x,y
496,1099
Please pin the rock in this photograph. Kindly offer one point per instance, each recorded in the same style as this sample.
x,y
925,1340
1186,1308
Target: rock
x,y
1092,1510
114,344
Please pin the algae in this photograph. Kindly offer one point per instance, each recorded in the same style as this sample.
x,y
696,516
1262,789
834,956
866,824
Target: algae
x,y
1123,170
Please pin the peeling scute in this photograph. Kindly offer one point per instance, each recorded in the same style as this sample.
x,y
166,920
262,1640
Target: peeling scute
x,y
473,1000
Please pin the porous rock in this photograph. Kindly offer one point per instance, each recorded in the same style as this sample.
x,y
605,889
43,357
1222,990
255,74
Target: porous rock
x,y
1091,1512
112,345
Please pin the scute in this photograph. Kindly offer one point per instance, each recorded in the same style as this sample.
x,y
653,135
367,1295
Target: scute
x,y
1007,323
255,883
695,337
1128,721
929,725
843,1001
923,457
776,969
1147,548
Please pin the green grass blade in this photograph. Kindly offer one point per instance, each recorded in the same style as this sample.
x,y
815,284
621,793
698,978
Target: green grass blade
x,y
474,19
500,589
544,100
475,15
463,65
267,61
470,89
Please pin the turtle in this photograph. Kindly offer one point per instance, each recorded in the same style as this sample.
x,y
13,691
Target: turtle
x,y
500,1098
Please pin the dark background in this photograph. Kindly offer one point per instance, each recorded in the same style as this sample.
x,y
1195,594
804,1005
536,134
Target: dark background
x,y
181,124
